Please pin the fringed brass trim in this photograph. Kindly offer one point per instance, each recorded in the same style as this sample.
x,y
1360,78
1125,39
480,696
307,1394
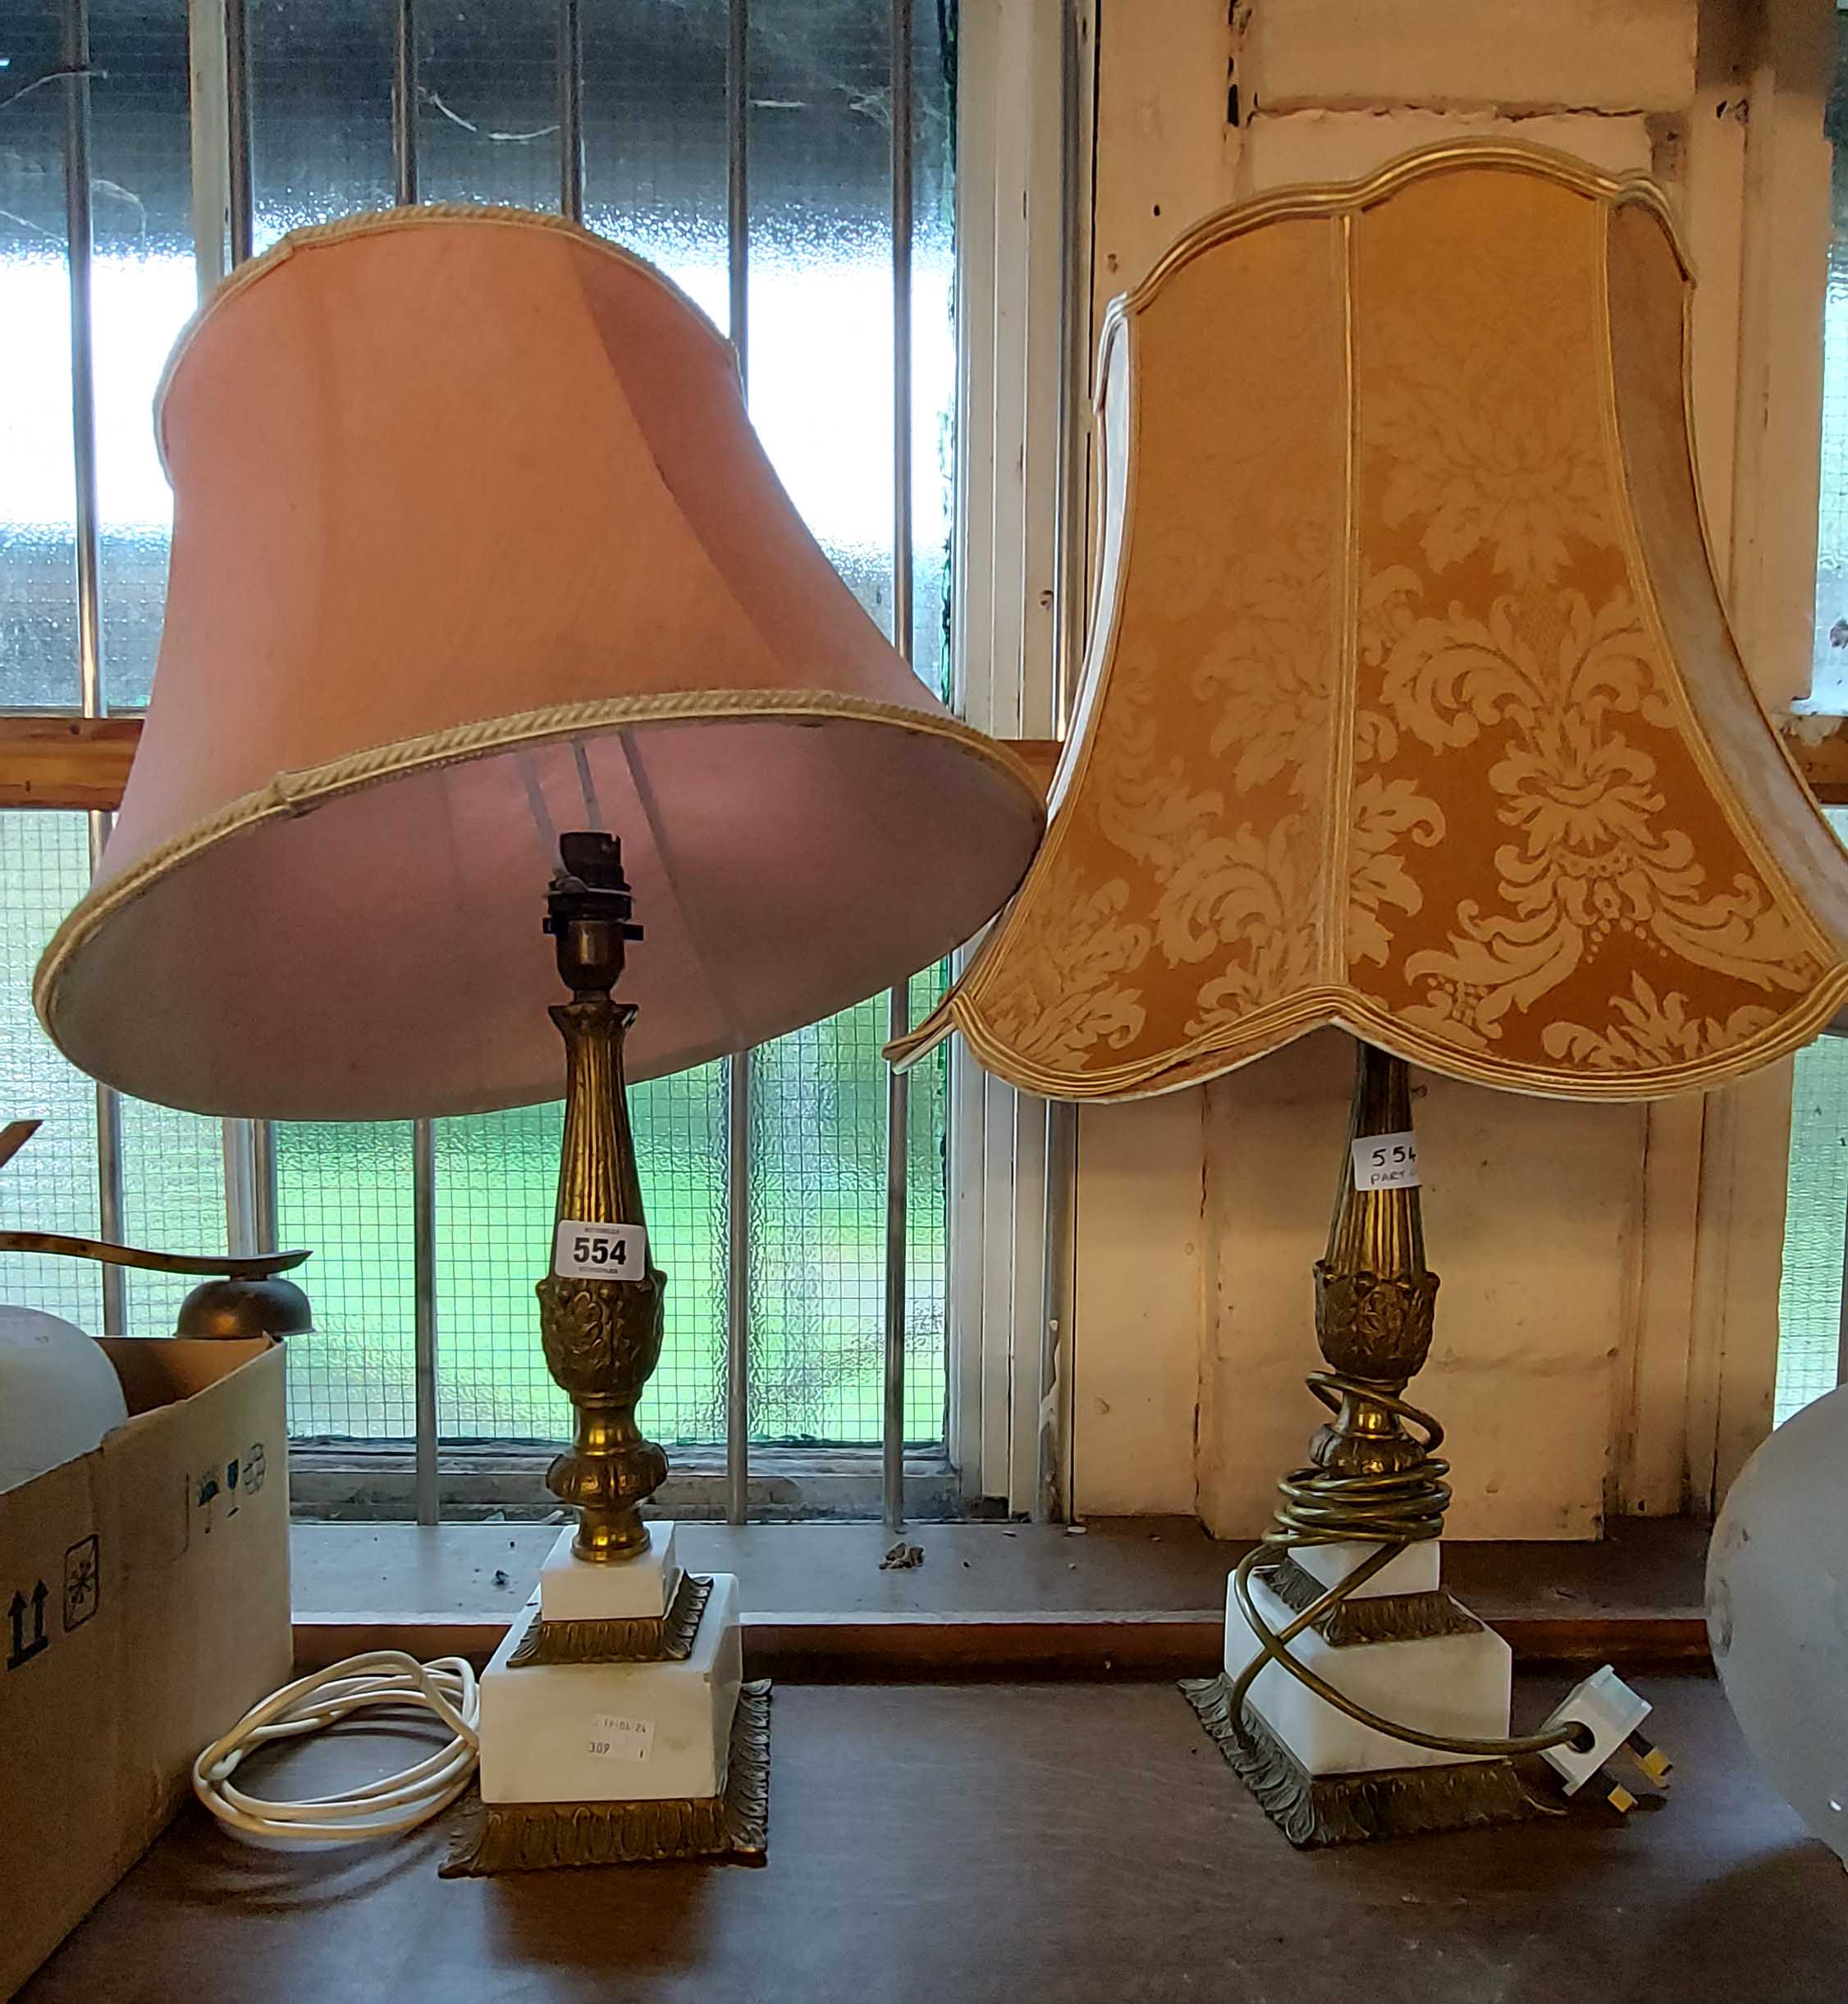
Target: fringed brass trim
x,y
643,1639
1315,1809
1386,1617
533,1836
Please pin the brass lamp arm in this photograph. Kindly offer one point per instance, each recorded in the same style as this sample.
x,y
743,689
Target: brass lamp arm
x,y
256,1266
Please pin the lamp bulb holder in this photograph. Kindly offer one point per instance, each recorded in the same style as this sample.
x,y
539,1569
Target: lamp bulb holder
x,y
588,912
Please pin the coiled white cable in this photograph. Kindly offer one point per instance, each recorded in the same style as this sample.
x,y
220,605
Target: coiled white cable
x,y
385,1808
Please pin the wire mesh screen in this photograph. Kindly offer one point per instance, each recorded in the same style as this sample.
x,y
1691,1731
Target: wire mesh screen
x,y
173,1200
928,1226
1829,688
818,1231
50,1184
817,1243
343,1189
320,112
37,491
496,1182
144,288
1809,1302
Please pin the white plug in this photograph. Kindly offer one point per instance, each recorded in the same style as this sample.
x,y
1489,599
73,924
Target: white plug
x,y
1610,1712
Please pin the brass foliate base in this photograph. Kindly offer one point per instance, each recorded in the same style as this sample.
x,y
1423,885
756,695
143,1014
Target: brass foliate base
x,y
1313,1810
536,1836
1378,1617
640,1639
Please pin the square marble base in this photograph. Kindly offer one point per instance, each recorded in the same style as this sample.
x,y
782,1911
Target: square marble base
x,y
582,1589
620,1731
1453,1684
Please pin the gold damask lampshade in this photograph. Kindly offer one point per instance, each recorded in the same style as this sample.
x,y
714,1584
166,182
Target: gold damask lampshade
x,y
1410,705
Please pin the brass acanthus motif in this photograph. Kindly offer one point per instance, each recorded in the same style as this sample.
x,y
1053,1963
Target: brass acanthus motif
x,y
1375,1325
666,1638
601,1336
1372,1617
1316,1809
529,1836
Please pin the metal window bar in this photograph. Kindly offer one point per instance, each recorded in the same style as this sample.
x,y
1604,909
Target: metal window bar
x,y
80,238
1842,1339
251,1146
898,1095
738,1068
423,1132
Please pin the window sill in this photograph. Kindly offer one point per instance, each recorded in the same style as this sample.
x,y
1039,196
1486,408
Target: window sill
x,y
1135,1597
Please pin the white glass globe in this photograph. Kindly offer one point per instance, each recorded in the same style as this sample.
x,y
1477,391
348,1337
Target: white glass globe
x,y
59,1395
1778,1611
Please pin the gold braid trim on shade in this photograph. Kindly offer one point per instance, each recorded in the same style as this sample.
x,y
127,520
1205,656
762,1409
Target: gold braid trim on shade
x,y
1410,705
295,792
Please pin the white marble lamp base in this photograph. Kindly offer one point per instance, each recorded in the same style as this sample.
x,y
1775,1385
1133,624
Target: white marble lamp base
x,y
614,1722
613,1732
1457,1685
1402,1648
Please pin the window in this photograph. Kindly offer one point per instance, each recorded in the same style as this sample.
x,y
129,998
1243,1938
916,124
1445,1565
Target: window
x,y
821,322
1810,1306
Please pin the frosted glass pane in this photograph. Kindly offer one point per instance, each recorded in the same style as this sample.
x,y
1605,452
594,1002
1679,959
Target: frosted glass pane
x,y
173,1200
143,289
1816,1208
821,390
320,112
817,1287
489,128
37,551
655,159
344,1189
927,1227
50,1184
933,347
1829,689
821,289
1809,1300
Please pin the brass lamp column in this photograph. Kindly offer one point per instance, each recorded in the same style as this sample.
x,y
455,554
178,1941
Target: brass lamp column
x,y
1373,1302
603,1337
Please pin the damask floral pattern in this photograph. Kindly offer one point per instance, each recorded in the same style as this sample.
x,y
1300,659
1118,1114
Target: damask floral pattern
x,y
1514,666
1386,731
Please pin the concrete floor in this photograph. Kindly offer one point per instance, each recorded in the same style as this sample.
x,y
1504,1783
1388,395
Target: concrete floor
x,y
1078,1842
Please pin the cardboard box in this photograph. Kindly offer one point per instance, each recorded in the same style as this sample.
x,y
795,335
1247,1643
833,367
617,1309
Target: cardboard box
x,y
143,1608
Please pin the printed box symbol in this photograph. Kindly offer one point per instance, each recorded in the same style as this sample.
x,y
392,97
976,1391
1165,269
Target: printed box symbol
x,y
83,1582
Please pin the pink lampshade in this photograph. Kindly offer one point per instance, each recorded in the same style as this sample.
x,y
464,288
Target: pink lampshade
x,y
473,543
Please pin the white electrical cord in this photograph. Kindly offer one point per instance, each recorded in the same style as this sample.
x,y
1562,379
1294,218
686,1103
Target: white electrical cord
x,y
385,1808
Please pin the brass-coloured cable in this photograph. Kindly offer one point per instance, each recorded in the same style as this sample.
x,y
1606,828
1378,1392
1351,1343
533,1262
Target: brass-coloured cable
x,y
1395,1510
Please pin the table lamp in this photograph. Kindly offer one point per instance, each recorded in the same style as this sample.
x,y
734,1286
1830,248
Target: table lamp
x,y
474,546
1410,707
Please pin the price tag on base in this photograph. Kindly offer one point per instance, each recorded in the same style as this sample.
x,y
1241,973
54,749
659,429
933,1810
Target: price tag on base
x,y
612,1738
1385,1162
581,1251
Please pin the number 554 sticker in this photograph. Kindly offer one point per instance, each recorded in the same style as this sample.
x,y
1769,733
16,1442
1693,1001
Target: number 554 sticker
x,y
1383,1162
582,1251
